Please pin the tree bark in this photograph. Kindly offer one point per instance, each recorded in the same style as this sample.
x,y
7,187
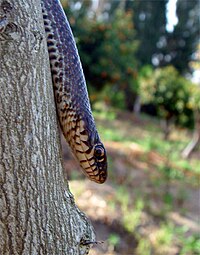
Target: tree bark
x,y
194,143
37,211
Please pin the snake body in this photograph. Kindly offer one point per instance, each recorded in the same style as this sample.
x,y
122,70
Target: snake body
x,y
71,96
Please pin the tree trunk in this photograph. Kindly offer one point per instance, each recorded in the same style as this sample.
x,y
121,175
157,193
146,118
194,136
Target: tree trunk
x,y
166,124
196,137
37,211
130,98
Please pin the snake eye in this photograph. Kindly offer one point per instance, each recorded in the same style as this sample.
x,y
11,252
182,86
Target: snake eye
x,y
99,151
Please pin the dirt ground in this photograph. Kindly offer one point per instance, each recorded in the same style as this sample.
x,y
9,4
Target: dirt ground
x,y
127,169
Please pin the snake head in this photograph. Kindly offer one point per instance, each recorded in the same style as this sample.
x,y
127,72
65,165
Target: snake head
x,y
89,151
94,164
100,158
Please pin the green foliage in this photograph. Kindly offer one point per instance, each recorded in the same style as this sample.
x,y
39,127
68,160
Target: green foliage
x,y
144,247
132,216
194,101
150,29
170,93
116,63
148,26
181,43
131,212
163,238
108,54
101,111
190,245
113,96
115,39
113,240
119,49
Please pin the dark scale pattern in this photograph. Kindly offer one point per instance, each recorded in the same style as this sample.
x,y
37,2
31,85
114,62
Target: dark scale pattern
x,y
71,96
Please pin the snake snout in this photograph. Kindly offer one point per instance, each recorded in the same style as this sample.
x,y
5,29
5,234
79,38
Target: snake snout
x,y
95,170
94,163
90,152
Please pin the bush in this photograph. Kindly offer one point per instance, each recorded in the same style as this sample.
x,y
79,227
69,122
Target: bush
x,y
170,93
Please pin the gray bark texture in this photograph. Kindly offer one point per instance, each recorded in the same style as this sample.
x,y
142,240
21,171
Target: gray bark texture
x,y
37,211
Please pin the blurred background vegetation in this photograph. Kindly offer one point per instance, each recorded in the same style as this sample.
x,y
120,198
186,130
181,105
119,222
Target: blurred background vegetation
x,y
142,71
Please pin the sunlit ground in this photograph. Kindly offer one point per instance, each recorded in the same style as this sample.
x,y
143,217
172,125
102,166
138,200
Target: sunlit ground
x,y
149,205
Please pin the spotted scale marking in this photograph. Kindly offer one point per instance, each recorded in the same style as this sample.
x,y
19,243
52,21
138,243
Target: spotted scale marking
x,y
72,102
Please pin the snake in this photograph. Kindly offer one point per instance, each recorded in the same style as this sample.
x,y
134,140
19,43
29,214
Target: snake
x,y
70,92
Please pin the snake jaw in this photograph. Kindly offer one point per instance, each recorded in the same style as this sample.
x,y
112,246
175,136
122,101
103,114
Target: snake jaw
x,y
86,149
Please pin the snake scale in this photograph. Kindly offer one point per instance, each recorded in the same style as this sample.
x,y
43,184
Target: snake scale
x,y
71,96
